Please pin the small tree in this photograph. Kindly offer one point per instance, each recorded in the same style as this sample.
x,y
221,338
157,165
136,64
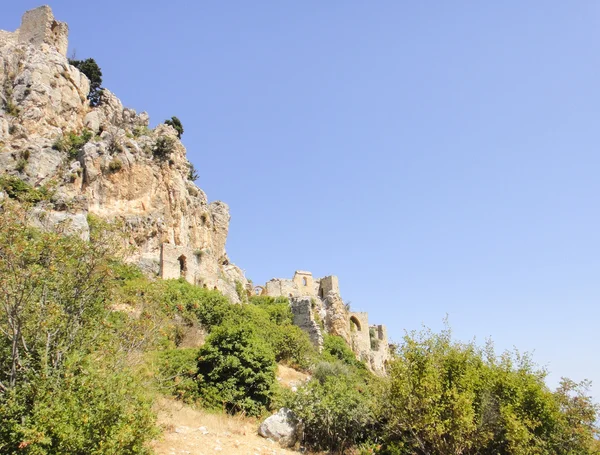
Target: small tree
x,y
175,123
236,369
90,68
193,173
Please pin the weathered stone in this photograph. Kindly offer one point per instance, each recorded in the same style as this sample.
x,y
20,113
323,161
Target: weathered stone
x,y
282,427
321,303
38,27
336,316
117,175
304,318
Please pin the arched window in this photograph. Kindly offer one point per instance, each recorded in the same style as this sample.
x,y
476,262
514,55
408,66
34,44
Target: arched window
x,y
304,282
182,265
354,324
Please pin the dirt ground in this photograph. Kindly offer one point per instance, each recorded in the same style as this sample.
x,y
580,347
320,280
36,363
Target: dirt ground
x,y
197,432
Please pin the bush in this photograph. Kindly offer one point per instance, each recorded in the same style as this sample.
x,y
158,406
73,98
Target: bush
x,y
176,373
90,68
163,147
63,388
193,173
325,370
175,123
236,371
336,413
20,190
448,397
335,348
294,347
206,306
115,165
72,144
82,410
271,319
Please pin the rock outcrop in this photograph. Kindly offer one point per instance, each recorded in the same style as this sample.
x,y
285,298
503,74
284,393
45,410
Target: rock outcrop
x,y
282,427
119,170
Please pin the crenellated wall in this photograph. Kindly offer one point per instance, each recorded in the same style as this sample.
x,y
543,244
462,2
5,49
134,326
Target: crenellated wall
x,y
312,298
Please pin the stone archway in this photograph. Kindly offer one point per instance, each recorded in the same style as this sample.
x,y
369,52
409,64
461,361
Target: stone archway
x,y
354,324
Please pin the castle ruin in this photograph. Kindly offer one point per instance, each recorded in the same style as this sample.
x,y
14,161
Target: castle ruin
x,y
318,307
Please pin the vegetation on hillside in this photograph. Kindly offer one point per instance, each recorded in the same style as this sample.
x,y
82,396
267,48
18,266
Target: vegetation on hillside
x,y
87,343
90,68
175,123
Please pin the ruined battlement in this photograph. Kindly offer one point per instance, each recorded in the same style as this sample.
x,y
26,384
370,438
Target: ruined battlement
x,y
302,284
39,28
313,300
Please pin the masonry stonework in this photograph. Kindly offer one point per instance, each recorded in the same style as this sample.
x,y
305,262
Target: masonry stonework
x,y
39,27
305,319
311,298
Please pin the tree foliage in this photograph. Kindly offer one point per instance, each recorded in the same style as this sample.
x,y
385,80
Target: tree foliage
x,y
236,370
90,68
175,123
64,387
447,397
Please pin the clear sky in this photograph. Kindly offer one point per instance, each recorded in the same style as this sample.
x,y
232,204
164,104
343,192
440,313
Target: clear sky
x,y
439,157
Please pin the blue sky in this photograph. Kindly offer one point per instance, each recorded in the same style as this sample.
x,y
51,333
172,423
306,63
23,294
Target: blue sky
x,y
439,157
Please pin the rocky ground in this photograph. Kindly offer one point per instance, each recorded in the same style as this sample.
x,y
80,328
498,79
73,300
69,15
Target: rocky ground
x,y
197,432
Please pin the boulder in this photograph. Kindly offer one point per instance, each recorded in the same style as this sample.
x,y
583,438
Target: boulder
x,y
282,427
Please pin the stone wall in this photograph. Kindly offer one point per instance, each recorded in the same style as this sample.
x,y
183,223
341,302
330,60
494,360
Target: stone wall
x,y
359,334
311,297
302,284
380,352
328,284
179,262
304,318
39,27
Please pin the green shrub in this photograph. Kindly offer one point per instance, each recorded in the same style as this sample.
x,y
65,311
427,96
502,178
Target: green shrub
x,y
336,413
84,409
448,397
115,165
64,385
241,292
163,147
20,190
335,348
20,166
11,108
278,308
90,68
72,144
294,347
193,173
139,131
176,373
175,123
236,371
325,370
206,306
271,319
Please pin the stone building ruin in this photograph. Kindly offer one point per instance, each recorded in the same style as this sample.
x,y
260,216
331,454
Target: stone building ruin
x,y
318,307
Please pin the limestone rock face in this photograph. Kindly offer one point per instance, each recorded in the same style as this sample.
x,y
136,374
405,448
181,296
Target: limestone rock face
x,y
336,316
282,427
119,173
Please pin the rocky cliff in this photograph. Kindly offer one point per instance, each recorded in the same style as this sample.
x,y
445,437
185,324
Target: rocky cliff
x,y
104,160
